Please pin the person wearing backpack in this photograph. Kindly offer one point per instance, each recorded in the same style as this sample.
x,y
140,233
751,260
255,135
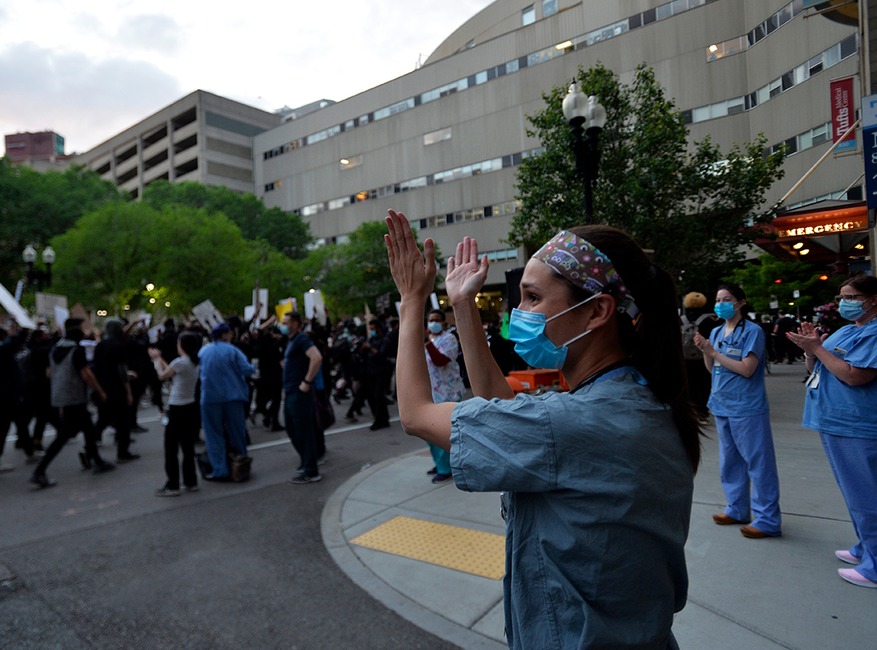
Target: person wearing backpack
x,y
696,319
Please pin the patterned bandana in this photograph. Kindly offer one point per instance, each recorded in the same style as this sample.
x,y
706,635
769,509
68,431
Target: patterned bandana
x,y
585,266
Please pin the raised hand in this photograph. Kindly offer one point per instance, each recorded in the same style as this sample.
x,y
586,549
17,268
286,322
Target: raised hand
x,y
413,271
807,338
466,273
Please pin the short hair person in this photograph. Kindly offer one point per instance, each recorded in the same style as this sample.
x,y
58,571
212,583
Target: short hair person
x,y
598,480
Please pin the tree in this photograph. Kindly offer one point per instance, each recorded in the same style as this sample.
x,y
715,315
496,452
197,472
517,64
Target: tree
x,y
34,207
188,255
768,279
692,205
352,274
285,231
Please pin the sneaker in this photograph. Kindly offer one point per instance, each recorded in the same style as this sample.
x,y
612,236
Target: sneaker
x,y
127,456
167,492
845,556
303,479
102,466
350,419
42,481
855,578
432,472
441,478
191,488
84,460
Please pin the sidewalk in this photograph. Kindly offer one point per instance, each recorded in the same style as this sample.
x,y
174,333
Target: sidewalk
x,y
753,594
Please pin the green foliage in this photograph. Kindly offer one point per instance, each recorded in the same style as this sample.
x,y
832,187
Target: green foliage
x,y
34,207
354,273
110,255
283,230
758,280
691,204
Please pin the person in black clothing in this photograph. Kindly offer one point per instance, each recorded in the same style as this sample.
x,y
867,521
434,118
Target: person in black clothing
x,y
375,374
268,348
10,393
111,371
71,379
36,400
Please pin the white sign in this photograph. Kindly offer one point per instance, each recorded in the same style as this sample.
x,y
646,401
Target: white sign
x,y
47,302
61,315
262,300
207,314
315,306
15,310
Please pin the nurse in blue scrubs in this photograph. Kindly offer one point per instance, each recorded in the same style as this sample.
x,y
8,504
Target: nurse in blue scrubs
x,y
735,355
840,405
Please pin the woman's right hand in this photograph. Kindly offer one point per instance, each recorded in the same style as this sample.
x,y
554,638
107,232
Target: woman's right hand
x,y
466,273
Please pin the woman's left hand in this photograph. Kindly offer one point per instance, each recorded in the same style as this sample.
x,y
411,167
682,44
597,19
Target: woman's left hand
x,y
413,271
807,338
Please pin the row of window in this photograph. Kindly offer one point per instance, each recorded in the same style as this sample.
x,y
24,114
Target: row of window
x,y
803,141
761,31
647,17
504,209
528,14
445,176
801,73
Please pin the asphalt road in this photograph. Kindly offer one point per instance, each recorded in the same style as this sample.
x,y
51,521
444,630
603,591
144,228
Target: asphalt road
x,y
99,562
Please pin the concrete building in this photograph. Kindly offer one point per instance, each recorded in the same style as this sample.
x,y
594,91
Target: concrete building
x,y
443,142
202,137
41,151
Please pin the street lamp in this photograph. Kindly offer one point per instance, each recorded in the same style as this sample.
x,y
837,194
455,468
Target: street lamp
x,y
586,118
39,279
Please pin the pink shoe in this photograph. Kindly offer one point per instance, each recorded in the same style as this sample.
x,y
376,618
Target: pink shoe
x,y
846,556
855,578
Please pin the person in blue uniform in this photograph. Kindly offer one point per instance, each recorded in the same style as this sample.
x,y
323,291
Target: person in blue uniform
x,y
840,402
735,355
597,481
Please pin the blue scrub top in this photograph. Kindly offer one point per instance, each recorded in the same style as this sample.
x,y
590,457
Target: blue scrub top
x,y
734,395
598,511
223,370
835,407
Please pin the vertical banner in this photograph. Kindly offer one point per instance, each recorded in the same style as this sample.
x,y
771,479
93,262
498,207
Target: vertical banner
x,y
869,147
843,110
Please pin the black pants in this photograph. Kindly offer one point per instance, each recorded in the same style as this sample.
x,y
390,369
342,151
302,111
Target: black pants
x,y
115,413
181,434
73,419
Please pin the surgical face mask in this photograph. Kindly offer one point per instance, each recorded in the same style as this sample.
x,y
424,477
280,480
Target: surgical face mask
x,y
527,330
851,309
284,330
724,310
435,327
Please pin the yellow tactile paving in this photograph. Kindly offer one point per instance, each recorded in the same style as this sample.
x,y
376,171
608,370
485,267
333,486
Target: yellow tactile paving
x,y
472,551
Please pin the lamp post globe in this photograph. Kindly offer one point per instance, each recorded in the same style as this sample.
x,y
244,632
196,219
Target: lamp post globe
x,y
586,118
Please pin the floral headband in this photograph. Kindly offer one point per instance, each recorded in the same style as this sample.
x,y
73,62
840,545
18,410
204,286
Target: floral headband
x,y
585,266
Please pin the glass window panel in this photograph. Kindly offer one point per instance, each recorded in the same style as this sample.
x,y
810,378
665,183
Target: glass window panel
x,y
831,56
636,21
664,11
787,80
481,77
763,94
700,114
679,6
719,109
736,105
648,16
785,14
791,146
549,8
805,140
848,46
528,15
512,66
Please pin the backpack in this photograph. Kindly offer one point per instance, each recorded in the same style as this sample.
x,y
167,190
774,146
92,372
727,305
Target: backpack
x,y
689,350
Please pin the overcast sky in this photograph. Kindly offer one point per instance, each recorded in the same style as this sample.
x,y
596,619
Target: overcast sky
x,y
88,69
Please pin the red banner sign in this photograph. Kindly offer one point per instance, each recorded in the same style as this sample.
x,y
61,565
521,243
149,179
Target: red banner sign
x,y
843,112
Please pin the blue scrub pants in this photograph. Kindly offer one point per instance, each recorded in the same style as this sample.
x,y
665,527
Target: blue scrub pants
x,y
746,457
217,420
441,458
854,463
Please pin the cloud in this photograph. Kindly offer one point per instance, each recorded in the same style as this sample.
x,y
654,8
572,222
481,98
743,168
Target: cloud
x,y
151,33
82,100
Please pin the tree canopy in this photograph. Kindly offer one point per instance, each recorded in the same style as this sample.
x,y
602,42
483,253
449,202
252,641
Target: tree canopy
x,y
285,231
35,206
769,279
188,255
691,204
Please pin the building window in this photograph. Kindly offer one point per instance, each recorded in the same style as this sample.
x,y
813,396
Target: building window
x,y
528,15
437,136
549,8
